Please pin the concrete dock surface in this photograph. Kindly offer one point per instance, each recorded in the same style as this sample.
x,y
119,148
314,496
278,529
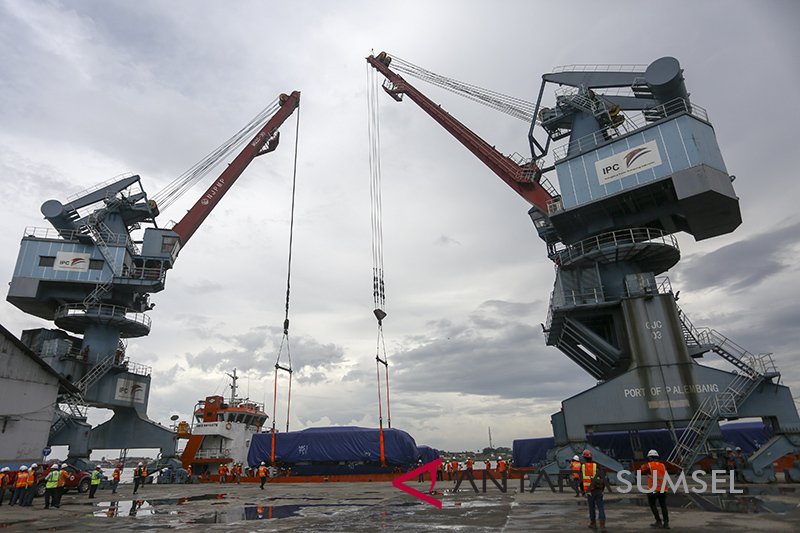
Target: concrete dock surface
x,y
381,507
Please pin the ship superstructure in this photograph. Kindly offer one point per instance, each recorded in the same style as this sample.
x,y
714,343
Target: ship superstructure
x,y
221,431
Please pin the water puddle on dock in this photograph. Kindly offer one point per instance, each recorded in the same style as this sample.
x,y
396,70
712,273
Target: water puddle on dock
x,y
269,512
147,507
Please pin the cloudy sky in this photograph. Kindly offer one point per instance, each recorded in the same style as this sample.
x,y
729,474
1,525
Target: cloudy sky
x,y
93,89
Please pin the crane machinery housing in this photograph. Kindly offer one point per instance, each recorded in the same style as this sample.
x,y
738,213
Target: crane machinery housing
x,y
639,162
89,276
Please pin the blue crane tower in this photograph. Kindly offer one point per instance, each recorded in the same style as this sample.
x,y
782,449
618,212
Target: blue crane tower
x,y
639,165
89,276
637,162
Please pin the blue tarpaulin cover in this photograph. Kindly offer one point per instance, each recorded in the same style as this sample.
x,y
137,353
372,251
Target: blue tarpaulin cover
x,y
748,435
333,444
427,453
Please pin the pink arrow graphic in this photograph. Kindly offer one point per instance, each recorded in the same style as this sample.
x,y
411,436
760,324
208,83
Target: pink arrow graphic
x,y
399,482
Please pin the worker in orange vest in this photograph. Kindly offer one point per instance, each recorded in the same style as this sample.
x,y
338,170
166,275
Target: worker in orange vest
x,y
223,473
575,477
115,478
468,467
453,468
62,481
5,481
657,487
19,486
502,468
262,474
593,483
189,478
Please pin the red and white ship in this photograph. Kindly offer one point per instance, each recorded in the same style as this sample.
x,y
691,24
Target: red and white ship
x,y
221,431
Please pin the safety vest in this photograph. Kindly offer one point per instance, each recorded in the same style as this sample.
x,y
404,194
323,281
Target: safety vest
x,y
575,466
52,479
22,480
262,471
657,469
501,466
31,479
189,470
144,471
2,480
469,464
588,471
96,477
115,475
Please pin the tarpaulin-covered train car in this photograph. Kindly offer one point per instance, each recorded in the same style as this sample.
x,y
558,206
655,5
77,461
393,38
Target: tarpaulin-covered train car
x,y
334,448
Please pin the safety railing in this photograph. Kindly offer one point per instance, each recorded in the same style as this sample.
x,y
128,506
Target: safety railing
x,y
631,124
612,240
98,186
571,298
110,238
660,285
136,368
102,311
611,67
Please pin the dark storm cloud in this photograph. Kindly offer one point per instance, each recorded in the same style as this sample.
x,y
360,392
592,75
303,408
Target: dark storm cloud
x,y
495,352
743,264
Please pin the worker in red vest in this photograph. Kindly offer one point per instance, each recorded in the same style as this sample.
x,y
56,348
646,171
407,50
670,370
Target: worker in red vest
x,y
502,467
575,477
657,486
453,468
592,484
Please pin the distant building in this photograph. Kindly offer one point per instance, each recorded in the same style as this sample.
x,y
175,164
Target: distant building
x,y
28,393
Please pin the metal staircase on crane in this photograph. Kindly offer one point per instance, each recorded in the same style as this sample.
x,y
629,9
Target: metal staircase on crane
x,y
751,371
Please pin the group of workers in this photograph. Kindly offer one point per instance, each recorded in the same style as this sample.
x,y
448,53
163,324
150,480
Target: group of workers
x,y
588,479
21,485
234,472
453,467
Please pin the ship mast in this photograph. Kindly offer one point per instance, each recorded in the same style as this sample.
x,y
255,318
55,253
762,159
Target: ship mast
x,y
233,387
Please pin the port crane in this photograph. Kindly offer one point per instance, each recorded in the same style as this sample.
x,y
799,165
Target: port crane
x,y
89,276
639,162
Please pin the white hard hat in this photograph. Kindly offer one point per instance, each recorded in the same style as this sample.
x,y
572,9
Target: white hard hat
x,y
57,466
140,464
728,450
23,468
652,453
576,458
499,457
738,448
262,463
34,465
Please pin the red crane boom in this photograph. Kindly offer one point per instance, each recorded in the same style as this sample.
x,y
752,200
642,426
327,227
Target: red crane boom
x,y
524,179
266,140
